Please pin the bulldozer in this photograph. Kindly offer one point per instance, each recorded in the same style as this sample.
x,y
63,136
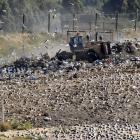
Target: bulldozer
x,y
83,47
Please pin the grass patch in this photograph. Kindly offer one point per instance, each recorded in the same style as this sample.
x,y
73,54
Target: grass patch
x,y
15,125
20,125
16,138
14,42
24,126
21,138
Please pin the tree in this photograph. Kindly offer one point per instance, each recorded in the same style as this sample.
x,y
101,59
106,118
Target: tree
x,y
47,4
121,5
133,5
4,6
70,5
89,2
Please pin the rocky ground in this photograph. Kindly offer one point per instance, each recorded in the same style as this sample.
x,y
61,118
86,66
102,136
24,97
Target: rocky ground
x,y
92,95
79,132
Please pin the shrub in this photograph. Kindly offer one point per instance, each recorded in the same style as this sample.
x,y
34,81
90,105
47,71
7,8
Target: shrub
x,y
14,124
24,126
20,125
21,138
39,138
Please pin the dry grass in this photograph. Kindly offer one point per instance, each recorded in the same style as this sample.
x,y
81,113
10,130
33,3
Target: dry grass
x,y
14,42
5,126
131,34
15,138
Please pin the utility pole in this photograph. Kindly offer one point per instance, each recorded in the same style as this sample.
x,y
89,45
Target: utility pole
x,y
136,19
116,23
49,21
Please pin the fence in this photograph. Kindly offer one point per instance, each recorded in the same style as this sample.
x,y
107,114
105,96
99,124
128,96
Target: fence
x,y
100,21
56,22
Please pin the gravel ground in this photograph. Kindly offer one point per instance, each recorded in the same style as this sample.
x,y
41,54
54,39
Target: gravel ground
x,y
86,99
89,95
81,132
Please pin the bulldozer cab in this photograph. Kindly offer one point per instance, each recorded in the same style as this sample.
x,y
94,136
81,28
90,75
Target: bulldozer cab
x,y
71,34
76,43
76,40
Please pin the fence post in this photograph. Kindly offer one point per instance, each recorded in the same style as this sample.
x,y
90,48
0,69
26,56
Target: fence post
x,y
49,21
23,30
96,34
103,26
23,22
136,19
96,18
116,24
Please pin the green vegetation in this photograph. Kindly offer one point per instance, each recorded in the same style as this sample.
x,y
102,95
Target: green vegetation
x,y
19,138
76,5
121,5
16,138
20,125
15,125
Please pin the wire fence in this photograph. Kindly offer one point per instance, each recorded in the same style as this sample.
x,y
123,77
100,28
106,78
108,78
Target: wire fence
x,y
100,21
61,22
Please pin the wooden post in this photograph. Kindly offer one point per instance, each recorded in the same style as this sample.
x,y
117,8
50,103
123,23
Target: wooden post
x,y
23,22
23,30
136,19
96,18
96,34
49,21
90,26
103,26
116,24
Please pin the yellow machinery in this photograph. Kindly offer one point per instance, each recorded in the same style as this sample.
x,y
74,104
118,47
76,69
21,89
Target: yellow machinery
x,y
81,45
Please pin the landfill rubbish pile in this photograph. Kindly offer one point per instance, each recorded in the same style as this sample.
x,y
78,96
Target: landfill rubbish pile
x,y
53,92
